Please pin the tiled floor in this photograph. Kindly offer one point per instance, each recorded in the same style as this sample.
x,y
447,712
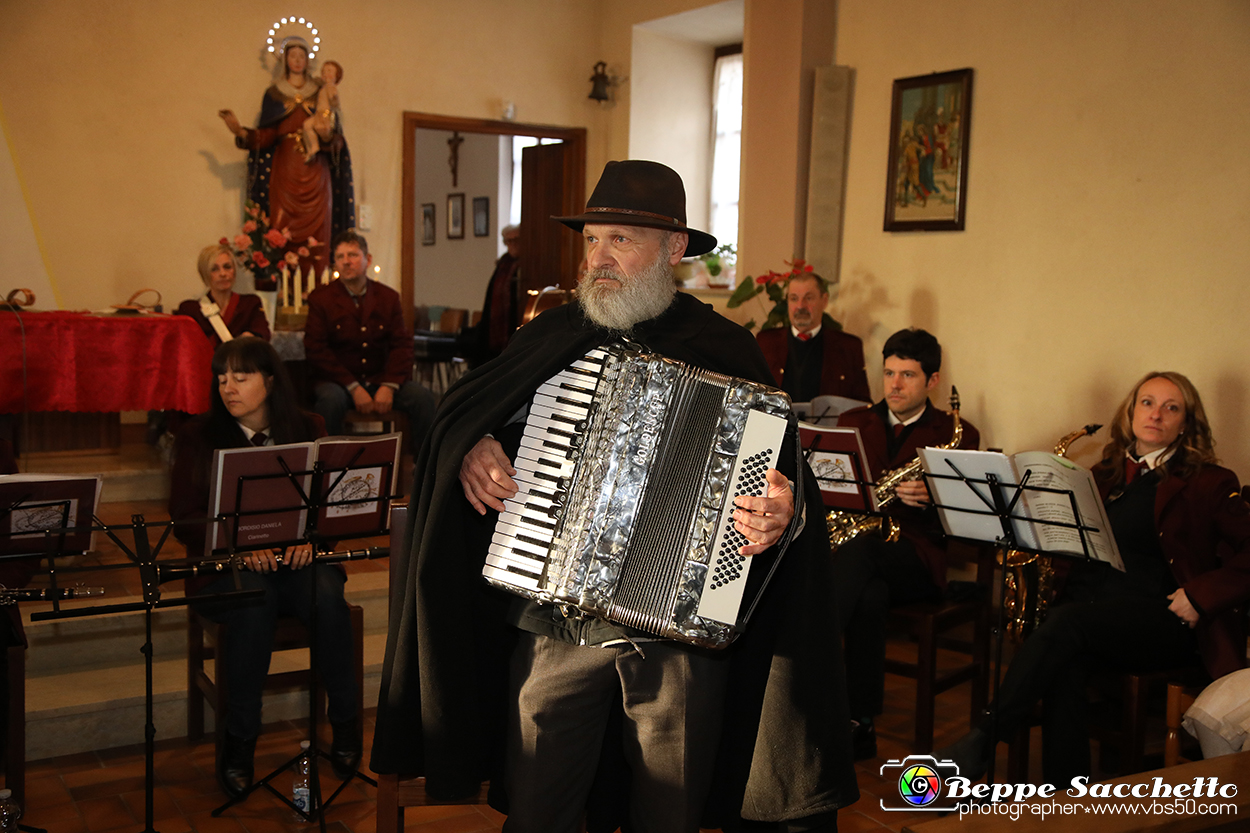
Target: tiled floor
x,y
104,791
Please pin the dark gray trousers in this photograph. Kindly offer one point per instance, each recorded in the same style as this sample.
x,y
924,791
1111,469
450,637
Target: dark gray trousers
x,y
563,696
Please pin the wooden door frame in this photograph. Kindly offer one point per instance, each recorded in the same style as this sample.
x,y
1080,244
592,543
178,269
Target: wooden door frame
x,y
574,183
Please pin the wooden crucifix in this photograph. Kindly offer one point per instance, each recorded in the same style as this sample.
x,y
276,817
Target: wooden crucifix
x,y
453,160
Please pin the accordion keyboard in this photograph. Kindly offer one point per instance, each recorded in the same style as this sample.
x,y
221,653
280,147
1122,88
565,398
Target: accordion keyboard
x,y
519,549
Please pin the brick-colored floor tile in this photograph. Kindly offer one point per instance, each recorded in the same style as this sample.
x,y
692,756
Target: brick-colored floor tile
x,y
163,804
121,782
205,823
52,815
849,821
105,813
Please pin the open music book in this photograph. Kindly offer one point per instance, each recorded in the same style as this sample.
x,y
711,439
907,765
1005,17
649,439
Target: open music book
x,y
253,480
837,458
1037,515
32,503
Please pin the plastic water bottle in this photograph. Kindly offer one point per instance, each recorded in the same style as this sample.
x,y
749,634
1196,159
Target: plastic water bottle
x,y
10,812
301,789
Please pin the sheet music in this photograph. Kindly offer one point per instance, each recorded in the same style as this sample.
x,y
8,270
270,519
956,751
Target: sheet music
x,y
1055,472
1035,516
952,496
31,503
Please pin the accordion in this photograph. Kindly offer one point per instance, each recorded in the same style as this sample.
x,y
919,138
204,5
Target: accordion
x,y
626,476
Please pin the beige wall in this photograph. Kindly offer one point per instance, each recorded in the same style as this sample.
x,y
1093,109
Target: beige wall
x,y
1108,206
454,273
671,112
784,40
110,111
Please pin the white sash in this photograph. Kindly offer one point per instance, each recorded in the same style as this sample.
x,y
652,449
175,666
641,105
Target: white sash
x,y
213,313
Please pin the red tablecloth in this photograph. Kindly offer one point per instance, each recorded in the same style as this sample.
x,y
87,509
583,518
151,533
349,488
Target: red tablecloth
x,y
81,362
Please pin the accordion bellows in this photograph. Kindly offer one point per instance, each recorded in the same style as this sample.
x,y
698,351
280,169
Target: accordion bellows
x,y
627,473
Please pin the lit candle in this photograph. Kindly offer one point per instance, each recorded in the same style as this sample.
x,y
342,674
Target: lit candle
x,y
283,285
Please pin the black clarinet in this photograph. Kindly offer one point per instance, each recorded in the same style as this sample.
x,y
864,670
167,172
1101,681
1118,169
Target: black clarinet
x,y
213,566
10,596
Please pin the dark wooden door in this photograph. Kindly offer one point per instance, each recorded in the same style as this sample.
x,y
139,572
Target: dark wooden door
x,y
550,253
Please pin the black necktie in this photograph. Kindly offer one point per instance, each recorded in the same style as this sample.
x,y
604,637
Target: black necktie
x,y
259,438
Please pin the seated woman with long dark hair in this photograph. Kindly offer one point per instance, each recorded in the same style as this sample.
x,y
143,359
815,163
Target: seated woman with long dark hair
x,y
1183,531
253,403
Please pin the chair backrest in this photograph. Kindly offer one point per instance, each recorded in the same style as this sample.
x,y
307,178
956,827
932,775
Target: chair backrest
x,y
452,320
399,525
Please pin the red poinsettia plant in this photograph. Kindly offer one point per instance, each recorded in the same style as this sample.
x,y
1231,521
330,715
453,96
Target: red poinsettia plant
x,y
774,283
263,249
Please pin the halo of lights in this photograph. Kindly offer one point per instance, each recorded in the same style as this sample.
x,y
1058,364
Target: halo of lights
x,y
297,27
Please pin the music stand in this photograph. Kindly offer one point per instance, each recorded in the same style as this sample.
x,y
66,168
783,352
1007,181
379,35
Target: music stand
x,y
320,498
144,557
984,494
837,459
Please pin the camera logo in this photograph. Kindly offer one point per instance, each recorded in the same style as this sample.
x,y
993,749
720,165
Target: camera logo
x,y
920,785
920,780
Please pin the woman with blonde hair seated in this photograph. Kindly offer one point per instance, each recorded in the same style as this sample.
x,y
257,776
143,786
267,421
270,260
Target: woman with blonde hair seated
x,y
1183,531
221,312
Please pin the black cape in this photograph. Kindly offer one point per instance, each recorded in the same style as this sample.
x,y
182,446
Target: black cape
x,y
785,752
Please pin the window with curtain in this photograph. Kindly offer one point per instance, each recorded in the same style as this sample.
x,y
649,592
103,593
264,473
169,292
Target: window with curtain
x,y
726,143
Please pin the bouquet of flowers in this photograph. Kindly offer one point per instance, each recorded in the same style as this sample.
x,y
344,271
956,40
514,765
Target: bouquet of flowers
x,y
774,283
263,250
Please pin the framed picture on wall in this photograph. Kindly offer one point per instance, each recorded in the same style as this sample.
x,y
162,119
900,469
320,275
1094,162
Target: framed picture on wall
x,y
455,216
481,216
427,224
926,181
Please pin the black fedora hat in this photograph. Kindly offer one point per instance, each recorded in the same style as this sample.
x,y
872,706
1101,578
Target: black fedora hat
x,y
641,193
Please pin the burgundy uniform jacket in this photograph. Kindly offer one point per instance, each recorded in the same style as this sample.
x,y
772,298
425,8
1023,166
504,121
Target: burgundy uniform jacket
x,y
842,366
1204,528
346,343
248,316
920,526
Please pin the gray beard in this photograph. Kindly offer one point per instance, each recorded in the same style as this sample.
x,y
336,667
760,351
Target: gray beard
x,y
640,297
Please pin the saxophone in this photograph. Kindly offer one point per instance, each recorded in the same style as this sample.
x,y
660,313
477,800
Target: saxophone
x,y
844,526
1030,576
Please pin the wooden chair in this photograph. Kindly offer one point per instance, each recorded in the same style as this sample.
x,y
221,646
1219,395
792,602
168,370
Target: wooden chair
x,y
15,724
205,641
929,622
453,320
358,424
1180,698
1130,736
395,792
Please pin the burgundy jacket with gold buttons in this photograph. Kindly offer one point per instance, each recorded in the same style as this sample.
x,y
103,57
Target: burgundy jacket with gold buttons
x,y
1204,527
346,343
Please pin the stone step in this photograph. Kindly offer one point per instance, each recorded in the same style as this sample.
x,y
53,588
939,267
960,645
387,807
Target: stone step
x,y
100,708
85,676
115,638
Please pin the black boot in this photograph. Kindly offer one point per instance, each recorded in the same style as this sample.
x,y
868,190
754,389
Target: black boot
x,y
863,739
234,770
345,749
971,754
